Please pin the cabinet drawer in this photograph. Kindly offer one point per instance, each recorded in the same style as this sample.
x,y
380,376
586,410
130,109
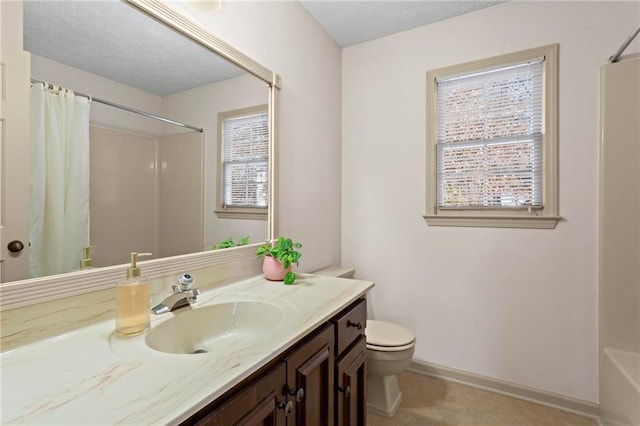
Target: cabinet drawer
x,y
350,325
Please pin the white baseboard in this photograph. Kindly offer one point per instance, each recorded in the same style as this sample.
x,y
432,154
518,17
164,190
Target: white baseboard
x,y
550,399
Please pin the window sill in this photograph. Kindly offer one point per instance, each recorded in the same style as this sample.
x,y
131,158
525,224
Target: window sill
x,y
532,222
242,214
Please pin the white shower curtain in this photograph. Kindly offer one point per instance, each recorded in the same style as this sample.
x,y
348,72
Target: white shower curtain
x,y
59,187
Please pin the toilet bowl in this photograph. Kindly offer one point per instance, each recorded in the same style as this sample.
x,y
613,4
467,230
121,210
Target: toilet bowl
x,y
390,348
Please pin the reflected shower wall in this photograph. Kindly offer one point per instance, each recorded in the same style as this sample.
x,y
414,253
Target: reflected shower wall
x,y
180,193
146,194
124,195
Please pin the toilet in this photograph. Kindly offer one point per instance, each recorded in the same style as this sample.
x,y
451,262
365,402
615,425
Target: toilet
x,y
390,348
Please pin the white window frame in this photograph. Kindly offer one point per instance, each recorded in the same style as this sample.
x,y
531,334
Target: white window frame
x,y
545,217
230,212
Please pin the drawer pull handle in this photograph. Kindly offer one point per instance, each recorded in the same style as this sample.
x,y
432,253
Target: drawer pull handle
x,y
286,407
299,394
346,390
357,325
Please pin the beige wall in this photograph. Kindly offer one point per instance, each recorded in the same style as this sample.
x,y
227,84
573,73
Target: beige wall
x,y
517,305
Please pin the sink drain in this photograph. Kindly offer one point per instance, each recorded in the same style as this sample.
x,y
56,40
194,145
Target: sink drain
x,y
199,351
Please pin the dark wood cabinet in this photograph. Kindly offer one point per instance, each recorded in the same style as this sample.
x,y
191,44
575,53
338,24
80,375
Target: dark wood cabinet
x,y
305,386
351,373
263,402
351,384
310,380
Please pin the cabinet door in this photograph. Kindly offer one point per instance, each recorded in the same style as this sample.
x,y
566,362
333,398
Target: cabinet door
x,y
310,380
351,385
264,402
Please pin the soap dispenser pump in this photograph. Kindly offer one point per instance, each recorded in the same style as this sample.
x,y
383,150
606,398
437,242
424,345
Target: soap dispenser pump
x,y
86,262
133,301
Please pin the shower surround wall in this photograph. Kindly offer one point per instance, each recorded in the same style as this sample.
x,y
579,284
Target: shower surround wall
x,y
620,243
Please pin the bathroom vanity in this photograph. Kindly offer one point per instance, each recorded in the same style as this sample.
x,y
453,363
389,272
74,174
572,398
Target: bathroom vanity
x,y
318,378
298,360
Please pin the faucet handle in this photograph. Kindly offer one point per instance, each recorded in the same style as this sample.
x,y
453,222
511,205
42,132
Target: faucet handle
x,y
184,282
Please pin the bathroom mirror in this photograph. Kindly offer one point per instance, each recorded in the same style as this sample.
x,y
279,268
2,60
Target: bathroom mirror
x,y
153,184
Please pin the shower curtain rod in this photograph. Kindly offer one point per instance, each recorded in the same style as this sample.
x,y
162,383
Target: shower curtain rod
x,y
135,111
627,42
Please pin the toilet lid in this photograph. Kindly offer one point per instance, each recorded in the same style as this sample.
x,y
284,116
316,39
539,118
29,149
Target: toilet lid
x,y
382,333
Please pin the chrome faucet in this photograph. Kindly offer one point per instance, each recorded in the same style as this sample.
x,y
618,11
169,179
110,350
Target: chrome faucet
x,y
183,295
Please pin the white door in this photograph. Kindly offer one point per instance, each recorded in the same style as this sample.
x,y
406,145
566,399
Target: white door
x,y
14,152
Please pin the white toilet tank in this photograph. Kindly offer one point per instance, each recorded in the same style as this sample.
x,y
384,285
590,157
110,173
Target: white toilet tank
x,y
337,271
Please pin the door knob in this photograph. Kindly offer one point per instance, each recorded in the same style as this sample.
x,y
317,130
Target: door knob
x,y
15,246
299,394
346,390
286,407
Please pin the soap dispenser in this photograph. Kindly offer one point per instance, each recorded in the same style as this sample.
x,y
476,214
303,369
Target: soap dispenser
x,y
133,301
86,262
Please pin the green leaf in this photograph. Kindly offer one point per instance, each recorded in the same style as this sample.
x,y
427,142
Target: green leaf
x,y
289,278
230,243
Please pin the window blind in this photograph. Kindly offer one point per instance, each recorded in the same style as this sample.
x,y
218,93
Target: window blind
x,y
245,161
489,138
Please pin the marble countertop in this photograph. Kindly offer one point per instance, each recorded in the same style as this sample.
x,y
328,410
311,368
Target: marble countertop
x,y
89,376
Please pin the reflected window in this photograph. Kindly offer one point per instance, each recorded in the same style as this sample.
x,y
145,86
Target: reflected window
x,y
244,161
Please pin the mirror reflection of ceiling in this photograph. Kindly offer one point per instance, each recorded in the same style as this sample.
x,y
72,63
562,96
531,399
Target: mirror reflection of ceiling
x,y
110,39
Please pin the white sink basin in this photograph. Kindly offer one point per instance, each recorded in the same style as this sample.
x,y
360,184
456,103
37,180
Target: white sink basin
x,y
204,329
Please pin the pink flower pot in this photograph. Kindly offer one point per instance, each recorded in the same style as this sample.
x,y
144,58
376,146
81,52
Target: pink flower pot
x,y
273,270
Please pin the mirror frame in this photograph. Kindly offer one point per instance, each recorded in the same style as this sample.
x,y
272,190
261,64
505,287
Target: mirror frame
x,y
16,294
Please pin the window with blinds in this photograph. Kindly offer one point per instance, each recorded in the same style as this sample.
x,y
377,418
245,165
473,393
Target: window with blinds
x,y
492,151
489,144
245,160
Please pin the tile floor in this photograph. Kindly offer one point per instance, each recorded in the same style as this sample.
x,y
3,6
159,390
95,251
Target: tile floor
x,y
428,401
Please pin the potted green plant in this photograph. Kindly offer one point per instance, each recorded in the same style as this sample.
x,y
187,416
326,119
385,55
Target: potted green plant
x,y
230,243
279,258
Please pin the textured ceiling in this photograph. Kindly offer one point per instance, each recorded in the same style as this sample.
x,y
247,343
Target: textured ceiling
x,y
111,39
351,22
